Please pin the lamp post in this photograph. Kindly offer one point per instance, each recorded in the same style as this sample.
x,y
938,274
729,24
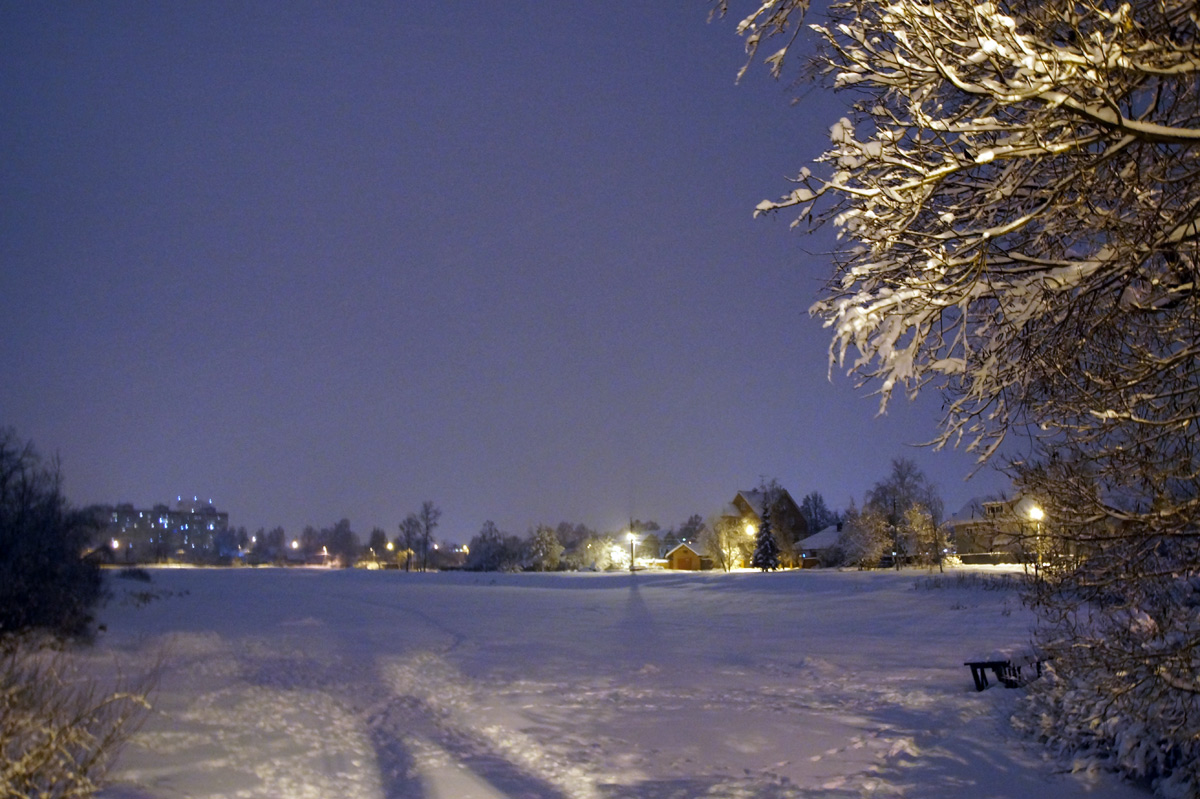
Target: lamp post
x,y
1037,514
632,539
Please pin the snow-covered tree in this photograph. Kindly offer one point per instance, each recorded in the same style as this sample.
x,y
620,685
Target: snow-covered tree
x,y
864,537
766,549
724,540
924,539
493,550
592,552
543,551
1015,186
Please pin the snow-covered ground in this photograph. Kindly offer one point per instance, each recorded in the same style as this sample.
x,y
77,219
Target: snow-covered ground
x,y
319,683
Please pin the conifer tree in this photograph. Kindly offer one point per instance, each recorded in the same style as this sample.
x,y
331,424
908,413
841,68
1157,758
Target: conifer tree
x,y
766,550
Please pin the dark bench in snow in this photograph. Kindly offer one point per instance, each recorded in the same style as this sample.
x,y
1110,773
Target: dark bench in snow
x,y
1006,669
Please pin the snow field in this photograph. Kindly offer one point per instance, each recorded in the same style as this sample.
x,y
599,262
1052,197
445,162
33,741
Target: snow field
x,y
314,683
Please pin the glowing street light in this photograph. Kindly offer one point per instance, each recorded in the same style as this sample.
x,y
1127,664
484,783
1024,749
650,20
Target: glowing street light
x,y
751,530
1037,514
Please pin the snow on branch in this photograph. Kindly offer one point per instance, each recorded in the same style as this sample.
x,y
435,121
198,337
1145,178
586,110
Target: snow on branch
x,y
1007,178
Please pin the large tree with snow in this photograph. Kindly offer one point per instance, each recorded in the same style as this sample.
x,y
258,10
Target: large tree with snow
x,y
725,541
766,548
1016,190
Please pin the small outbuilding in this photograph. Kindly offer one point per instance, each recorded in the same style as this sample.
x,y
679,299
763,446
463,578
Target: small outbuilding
x,y
684,558
820,546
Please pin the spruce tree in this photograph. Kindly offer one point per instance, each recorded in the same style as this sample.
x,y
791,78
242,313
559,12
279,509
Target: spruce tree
x,y
766,550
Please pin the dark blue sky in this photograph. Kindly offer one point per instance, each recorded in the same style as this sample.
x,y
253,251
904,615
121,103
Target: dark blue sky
x,y
321,262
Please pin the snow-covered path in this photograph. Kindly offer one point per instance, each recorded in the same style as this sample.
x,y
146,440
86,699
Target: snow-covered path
x,y
314,683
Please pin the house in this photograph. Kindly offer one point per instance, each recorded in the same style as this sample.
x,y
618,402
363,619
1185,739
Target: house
x,y
787,522
995,530
820,547
684,558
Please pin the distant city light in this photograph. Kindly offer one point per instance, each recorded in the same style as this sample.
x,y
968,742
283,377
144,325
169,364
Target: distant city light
x,y
295,544
115,543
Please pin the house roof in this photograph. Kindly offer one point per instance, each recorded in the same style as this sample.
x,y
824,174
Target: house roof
x,y
683,545
973,509
754,499
977,509
826,539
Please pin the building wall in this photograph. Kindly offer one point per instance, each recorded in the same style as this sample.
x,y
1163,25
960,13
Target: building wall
x,y
683,559
159,533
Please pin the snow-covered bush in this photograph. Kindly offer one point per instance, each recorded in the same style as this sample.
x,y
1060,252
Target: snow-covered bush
x,y
59,731
1123,683
863,538
1140,730
543,551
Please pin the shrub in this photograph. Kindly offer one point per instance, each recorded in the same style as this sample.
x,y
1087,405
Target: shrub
x,y
45,581
59,733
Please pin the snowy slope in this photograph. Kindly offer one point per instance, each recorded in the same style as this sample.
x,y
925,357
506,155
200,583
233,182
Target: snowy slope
x,y
316,683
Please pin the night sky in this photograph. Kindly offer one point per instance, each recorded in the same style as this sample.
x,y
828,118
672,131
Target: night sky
x,y
314,262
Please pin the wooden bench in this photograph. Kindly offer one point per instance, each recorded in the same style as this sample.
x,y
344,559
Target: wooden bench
x,y
1006,672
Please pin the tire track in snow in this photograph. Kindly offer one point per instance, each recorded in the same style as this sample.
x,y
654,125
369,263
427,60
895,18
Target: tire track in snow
x,y
434,704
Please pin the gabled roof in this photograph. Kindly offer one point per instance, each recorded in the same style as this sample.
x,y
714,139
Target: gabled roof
x,y
977,510
683,545
973,509
826,539
753,499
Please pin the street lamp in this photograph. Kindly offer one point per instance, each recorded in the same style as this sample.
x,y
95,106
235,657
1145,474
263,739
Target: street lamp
x,y
632,540
1037,514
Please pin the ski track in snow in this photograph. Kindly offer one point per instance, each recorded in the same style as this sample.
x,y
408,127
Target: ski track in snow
x,y
438,708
